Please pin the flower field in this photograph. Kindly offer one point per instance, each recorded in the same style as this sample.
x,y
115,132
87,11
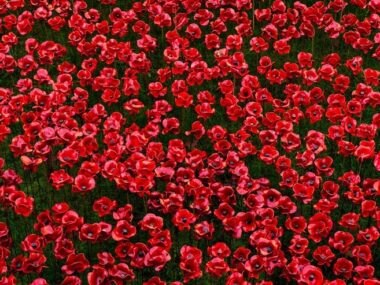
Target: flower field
x,y
168,142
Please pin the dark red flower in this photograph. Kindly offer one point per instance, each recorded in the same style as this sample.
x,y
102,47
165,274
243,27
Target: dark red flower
x,y
343,267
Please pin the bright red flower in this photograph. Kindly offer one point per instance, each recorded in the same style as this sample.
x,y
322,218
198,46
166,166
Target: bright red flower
x,y
319,226
75,263
123,231
183,219
156,257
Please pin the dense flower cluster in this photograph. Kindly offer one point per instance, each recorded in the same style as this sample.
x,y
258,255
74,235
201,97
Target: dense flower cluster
x,y
181,141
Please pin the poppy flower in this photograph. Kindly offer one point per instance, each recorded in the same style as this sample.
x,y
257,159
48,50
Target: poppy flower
x,y
22,204
362,254
350,220
83,184
312,275
365,150
296,224
323,165
183,219
323,255
59,178
343,267
63,248
104,206
121,272
156,257
191,259
75,263
89,232
319,226
341,241
151,223
217,267
268,154
123,231
34,263
33,243
303,192
204,230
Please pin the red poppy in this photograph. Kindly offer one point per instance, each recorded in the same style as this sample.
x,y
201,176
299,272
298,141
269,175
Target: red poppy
x,y
319,226
217,267
343,267
183,219
104,206
311,275
156,257
83,184
323,255
75,263
123,231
